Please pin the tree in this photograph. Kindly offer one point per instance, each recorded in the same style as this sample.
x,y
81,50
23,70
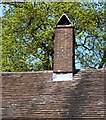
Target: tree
x,y
28,34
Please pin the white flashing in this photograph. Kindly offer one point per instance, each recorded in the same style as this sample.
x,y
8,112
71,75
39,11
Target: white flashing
x,y
62,76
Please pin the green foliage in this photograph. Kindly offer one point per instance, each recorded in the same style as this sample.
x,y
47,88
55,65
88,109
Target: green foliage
x,y
28,34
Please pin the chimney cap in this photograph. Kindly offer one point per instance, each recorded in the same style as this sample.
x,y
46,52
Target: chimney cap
x,y
64,20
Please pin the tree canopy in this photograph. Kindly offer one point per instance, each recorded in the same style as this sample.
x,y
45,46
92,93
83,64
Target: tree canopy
x,y
28,34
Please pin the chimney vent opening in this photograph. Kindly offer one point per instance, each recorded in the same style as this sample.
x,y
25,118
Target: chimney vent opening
x,y
64,20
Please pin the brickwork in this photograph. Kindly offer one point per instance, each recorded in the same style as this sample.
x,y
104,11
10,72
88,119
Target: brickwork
x,y
64,46
35,95
63,49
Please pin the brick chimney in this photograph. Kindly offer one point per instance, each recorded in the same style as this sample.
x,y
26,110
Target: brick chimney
x,y
64,63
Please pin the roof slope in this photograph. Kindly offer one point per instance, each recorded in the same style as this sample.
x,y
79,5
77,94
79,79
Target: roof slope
x,y
35,95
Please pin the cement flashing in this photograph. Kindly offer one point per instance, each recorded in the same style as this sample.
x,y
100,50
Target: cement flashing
x,y
62,76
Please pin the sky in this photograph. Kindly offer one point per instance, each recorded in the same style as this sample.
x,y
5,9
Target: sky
x,y
1,14
77,65
52,0
1,10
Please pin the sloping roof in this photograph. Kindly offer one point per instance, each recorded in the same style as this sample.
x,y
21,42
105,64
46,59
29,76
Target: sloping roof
x,y
64,20
35,95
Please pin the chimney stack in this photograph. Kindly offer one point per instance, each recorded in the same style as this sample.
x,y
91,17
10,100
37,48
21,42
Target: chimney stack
x,y
64,62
